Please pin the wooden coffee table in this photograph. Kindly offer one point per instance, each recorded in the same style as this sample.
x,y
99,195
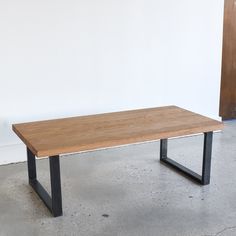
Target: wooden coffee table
x,y
52,138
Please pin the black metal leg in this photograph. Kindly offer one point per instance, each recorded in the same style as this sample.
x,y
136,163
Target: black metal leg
x,y
54,203
206,164
163,151
55,185
31,165
203,179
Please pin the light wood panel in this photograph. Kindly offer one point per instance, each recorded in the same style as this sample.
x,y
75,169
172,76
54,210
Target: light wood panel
x,y
55,137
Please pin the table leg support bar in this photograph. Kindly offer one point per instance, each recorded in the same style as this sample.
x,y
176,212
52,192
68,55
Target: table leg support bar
x,y
53,203
203,179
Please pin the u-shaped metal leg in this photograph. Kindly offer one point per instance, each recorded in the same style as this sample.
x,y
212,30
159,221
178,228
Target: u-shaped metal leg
x,y
203,179
53,202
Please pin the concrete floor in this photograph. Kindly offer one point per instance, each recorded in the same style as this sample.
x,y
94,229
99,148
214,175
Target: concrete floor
x,y
126,191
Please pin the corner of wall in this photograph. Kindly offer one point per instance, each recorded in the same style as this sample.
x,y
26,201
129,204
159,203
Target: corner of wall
x,y
12,154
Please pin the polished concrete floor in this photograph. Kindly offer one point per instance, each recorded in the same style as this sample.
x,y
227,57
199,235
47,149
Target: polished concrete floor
x,y
127,191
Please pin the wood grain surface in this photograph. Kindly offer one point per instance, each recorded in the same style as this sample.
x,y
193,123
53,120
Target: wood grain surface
x,y
68,135
228,79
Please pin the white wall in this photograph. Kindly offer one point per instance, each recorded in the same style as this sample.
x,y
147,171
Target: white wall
x,y
73,57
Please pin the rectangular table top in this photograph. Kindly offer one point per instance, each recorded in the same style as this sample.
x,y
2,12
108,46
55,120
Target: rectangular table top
x,y
83,133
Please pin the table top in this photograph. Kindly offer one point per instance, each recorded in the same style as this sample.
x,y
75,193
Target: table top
x,y
83,133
